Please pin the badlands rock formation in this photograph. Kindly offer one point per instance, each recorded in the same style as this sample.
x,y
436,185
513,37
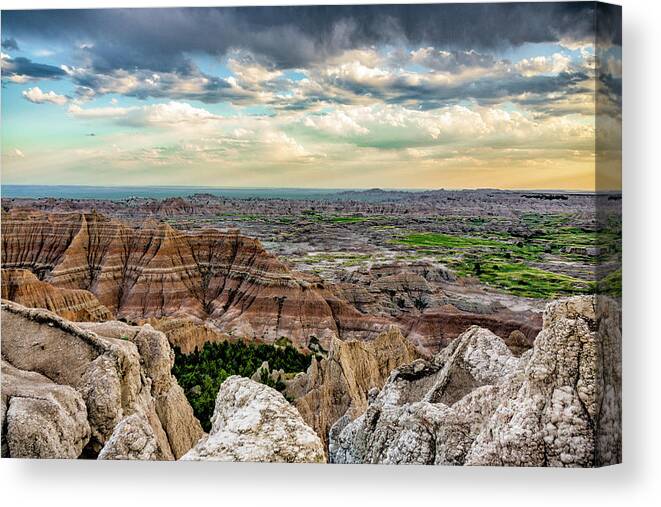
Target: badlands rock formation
x,y
89,389
438,327
219,283
41,419
155,271
340,384
433,307
188,334
253,422
477,404
23,287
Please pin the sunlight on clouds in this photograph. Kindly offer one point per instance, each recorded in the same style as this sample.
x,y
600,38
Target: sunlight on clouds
x,y
37,96
340,105
543,65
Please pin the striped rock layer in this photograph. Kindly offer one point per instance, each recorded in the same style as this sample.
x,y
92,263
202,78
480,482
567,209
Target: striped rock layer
x,y
155,271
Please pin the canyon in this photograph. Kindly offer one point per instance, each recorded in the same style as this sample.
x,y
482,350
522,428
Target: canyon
x,y
432,335
154,271
86,266
105,391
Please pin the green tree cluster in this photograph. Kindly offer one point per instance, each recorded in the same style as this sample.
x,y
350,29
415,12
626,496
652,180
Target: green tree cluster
x,y
201,372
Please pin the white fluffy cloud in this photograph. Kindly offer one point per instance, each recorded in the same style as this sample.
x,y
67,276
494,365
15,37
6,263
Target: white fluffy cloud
x,y
394,125
249,72
338,123
37,96
554,64
171,114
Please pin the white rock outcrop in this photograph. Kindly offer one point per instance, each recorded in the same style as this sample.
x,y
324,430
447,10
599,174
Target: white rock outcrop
x,y
41,419
253,422
113,369
133,438
476,404
567,412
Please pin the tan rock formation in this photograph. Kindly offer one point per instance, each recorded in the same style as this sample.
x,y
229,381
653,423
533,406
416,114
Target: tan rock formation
x,y
253,422
340,383
155,271
476,404
22,286
41,419
188,334
118,370
157,358
438,327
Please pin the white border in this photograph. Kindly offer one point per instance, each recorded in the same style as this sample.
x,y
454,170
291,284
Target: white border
x,y
636,482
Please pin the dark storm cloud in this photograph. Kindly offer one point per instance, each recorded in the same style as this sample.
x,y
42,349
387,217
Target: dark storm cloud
x,y
9,44
21,66
144,85
488,90
608,24
288,37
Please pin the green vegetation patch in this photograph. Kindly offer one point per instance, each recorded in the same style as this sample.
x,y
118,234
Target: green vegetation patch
x,y
201,372
433,239
611,284
508,258
522,280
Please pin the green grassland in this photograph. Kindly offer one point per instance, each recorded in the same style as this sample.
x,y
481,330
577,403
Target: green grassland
x,y
507,260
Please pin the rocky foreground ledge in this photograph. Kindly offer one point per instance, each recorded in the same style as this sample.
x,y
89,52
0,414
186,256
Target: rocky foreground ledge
x,y
104,390
253,422
474,403
89,390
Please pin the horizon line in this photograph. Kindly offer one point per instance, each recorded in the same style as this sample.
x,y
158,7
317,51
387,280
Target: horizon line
x,y
343,189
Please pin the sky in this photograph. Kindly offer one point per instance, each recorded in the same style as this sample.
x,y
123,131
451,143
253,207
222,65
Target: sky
x,y
429,96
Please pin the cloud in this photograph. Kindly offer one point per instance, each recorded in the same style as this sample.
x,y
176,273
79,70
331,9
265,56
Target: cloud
x,y
171,114
337,122
335,48
543,65
37,96
450,61
368,77
396,127
25,69
353,77
10,44
161,40
250,72
98,113
44,53
144,84
282,147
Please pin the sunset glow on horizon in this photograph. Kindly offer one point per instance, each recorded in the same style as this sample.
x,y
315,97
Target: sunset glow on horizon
x,y
429,96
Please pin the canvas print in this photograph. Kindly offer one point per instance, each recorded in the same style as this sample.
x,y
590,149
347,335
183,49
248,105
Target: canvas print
x,y
375,234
